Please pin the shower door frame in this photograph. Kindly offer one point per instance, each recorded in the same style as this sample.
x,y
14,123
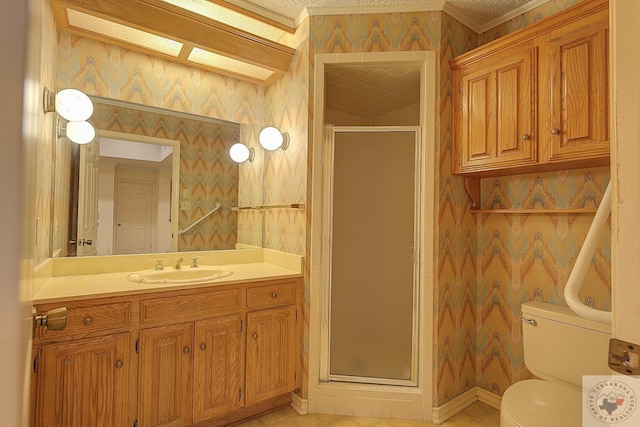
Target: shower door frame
x,y
419,173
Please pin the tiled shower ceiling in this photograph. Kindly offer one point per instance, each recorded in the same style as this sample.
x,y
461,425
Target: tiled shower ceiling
x,y
370,90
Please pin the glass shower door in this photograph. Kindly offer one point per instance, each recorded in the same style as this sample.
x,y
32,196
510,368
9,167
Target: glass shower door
x,y
373,268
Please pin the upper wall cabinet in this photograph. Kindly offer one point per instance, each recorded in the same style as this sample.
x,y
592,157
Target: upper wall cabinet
x,y
536,99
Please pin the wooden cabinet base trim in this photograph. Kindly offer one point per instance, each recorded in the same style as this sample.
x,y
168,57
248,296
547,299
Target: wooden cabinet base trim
x,y
243,414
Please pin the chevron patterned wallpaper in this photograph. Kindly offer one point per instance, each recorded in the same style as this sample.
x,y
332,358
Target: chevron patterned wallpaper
x,y
486,265
206,170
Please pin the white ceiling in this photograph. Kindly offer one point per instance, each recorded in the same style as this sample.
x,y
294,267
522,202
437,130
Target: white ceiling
x,y
477,14
369,91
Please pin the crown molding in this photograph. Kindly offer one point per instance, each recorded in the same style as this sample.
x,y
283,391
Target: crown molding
x,y
468,20
430,5
434,5
508,16
269,14
300,19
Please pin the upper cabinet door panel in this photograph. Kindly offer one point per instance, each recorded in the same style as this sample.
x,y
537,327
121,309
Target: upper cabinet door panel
x,y
537,99
579,90
498,110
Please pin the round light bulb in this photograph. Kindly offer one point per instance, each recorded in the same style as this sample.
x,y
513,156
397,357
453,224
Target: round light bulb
x,y
239,152
270,138
73,105
80,132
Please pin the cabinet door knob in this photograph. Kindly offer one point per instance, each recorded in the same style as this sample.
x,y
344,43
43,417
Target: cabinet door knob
x,y
87,320
203,346
526,136
555,131
186,350
274,295
119,364
255,336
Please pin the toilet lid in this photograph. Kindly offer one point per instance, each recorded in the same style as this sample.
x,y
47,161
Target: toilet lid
x,y
535,403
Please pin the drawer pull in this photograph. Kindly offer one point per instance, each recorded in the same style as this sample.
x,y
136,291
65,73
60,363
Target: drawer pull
x,y
526,136
274,295
186,350
119,364
255,336
88,321
203,346
555,131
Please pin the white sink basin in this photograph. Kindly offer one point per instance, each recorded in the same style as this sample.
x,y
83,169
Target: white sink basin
x,y
183,275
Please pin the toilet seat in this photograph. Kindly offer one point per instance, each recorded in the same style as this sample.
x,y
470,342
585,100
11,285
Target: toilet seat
x,y
535,403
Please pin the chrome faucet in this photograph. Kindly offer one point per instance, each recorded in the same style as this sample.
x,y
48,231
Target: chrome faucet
x,y
195,262
178,262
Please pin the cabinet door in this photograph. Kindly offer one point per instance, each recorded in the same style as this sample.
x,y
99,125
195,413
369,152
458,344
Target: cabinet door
x,y
165,376
578,91
497,112
271,353
217,372
84,383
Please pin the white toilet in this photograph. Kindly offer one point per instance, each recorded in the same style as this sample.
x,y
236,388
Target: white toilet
x,y
559,347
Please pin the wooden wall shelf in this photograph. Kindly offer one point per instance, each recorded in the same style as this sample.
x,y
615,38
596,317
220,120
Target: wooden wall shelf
x,y
508,211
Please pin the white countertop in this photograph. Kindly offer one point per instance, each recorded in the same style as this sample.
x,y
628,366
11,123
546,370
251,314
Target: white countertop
x,y
53,287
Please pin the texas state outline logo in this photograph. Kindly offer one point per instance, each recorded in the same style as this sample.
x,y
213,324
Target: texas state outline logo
x,y
611,401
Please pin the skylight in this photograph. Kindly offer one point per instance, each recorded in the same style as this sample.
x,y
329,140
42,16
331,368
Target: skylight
x,y
123,33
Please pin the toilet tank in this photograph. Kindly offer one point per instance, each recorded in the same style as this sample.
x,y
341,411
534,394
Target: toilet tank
x,y
563,346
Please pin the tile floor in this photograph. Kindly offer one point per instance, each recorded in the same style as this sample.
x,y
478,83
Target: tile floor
x,y
477,415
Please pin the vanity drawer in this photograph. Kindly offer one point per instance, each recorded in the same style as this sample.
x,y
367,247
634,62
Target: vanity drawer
x,y
271,295
92,319
185,307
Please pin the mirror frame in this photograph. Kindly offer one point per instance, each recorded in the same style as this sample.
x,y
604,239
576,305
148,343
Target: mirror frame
x,y
175,171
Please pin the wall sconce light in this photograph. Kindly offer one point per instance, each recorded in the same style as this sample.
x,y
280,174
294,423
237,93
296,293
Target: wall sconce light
x,y
71,104
240,153
271,138
80,132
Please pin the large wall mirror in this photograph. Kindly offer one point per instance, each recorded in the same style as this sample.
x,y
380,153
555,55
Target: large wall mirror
x,y
151,174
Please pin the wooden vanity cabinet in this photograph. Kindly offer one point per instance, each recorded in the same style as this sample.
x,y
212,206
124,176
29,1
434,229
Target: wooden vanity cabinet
x,y
165,376
208,356
535,100
85,382
272,338
218,363
84,373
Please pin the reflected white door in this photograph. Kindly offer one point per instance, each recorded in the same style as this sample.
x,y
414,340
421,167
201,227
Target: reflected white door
x,y
87,236
134,217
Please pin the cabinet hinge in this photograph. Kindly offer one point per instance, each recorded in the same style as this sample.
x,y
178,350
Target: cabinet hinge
x,y
240,325
240,394
296,315
137,348
295,376
35,364
135,423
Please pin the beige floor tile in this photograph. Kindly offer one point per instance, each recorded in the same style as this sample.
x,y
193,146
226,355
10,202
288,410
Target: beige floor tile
x,y
476,415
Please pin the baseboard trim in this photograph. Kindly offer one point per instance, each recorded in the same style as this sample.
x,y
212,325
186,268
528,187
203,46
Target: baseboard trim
x,y
489,398
442,413
300,405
